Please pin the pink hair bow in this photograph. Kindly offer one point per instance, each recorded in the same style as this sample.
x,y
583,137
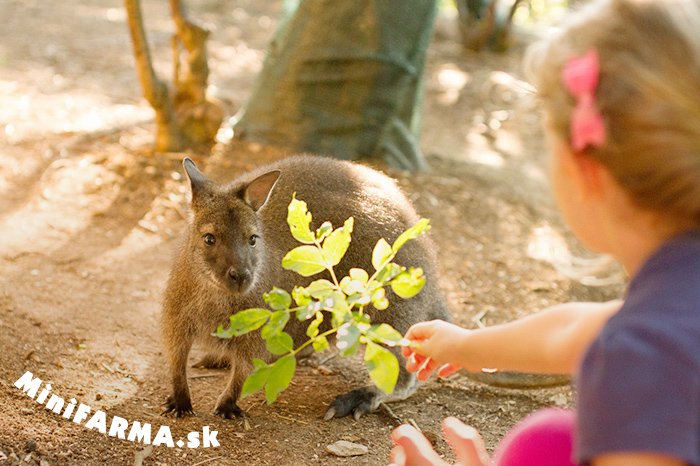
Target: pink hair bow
x,y
581,79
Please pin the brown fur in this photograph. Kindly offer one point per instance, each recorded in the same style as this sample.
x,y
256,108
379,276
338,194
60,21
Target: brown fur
x,y
198,296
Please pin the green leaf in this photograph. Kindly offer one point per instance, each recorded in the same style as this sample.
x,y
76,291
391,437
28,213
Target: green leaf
x,y
348,339
383,367
280,343
350,286
299,221
280,376
306,312
301,296
248,320
379,300
336,301
359,299
362,320
408,284
340,317
304,260
381,254
359,275
323,231
414,232
337,243
388,272
278,299
257,379
384,333
278,320
319,289
320,344
221,332
312,329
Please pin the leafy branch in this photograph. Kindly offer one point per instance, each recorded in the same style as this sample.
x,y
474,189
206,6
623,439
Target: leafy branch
x,y
344,301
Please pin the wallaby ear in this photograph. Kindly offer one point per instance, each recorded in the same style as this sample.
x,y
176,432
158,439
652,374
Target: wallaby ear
x,y
258,191
197,179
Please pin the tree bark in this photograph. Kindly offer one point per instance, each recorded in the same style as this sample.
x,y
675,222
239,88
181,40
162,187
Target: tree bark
x,y
198,116
190,81
345,80
168,137
481,27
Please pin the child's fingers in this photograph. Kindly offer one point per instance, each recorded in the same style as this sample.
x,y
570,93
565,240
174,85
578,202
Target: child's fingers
x,y
416,449
466,442
413,347
428,368
447,370
415,362
397,456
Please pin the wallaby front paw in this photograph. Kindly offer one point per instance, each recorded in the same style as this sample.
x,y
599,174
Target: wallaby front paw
x,y
357,402
181,406
228,409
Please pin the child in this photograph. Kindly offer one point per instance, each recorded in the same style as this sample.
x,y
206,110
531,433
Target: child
x,y
620,86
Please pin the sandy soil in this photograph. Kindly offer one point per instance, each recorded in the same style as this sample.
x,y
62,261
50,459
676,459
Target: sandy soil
x,y
89,219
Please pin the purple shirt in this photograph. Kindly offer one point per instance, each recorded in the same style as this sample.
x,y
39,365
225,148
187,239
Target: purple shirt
x,y
639,383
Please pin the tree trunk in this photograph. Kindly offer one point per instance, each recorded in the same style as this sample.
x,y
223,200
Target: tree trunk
x,y
186,117
344,79
481,26
168,137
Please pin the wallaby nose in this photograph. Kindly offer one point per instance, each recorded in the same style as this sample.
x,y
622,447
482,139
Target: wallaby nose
x,y
237,276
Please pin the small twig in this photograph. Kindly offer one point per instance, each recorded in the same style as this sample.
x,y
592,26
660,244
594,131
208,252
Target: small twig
x,y
291,419
118,370
204,376
397,420
20,255
328,358
413,423
477,318
149,227
108,368
142,455
254,405
208,460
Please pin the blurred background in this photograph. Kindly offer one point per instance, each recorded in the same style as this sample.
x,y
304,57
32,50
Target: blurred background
x,y
91,207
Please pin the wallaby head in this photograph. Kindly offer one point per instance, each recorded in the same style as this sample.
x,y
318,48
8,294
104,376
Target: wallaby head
x,y
224,235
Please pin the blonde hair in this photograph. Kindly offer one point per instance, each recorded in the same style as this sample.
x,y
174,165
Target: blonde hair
x,y
648,95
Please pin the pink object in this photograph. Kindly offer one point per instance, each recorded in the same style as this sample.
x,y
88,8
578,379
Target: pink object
x,y
581,80
545,438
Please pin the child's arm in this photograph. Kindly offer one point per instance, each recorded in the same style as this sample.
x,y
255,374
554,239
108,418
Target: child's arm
x,y
550,341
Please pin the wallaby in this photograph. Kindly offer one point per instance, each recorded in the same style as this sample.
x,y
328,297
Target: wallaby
x,y
232,254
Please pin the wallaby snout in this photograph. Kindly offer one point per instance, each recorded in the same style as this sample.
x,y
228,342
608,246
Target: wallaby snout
x,y
235,274
238,277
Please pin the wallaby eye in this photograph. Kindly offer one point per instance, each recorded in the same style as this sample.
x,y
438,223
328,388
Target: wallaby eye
x,y
209,239
253,240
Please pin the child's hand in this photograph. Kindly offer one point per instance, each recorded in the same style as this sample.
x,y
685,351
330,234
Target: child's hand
x,y
413,449
434,346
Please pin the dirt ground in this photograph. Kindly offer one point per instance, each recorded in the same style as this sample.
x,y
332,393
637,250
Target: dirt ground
x,y
89,219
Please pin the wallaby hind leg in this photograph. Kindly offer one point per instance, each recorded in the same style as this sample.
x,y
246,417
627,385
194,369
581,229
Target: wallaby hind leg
x,y
212,361
364,400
